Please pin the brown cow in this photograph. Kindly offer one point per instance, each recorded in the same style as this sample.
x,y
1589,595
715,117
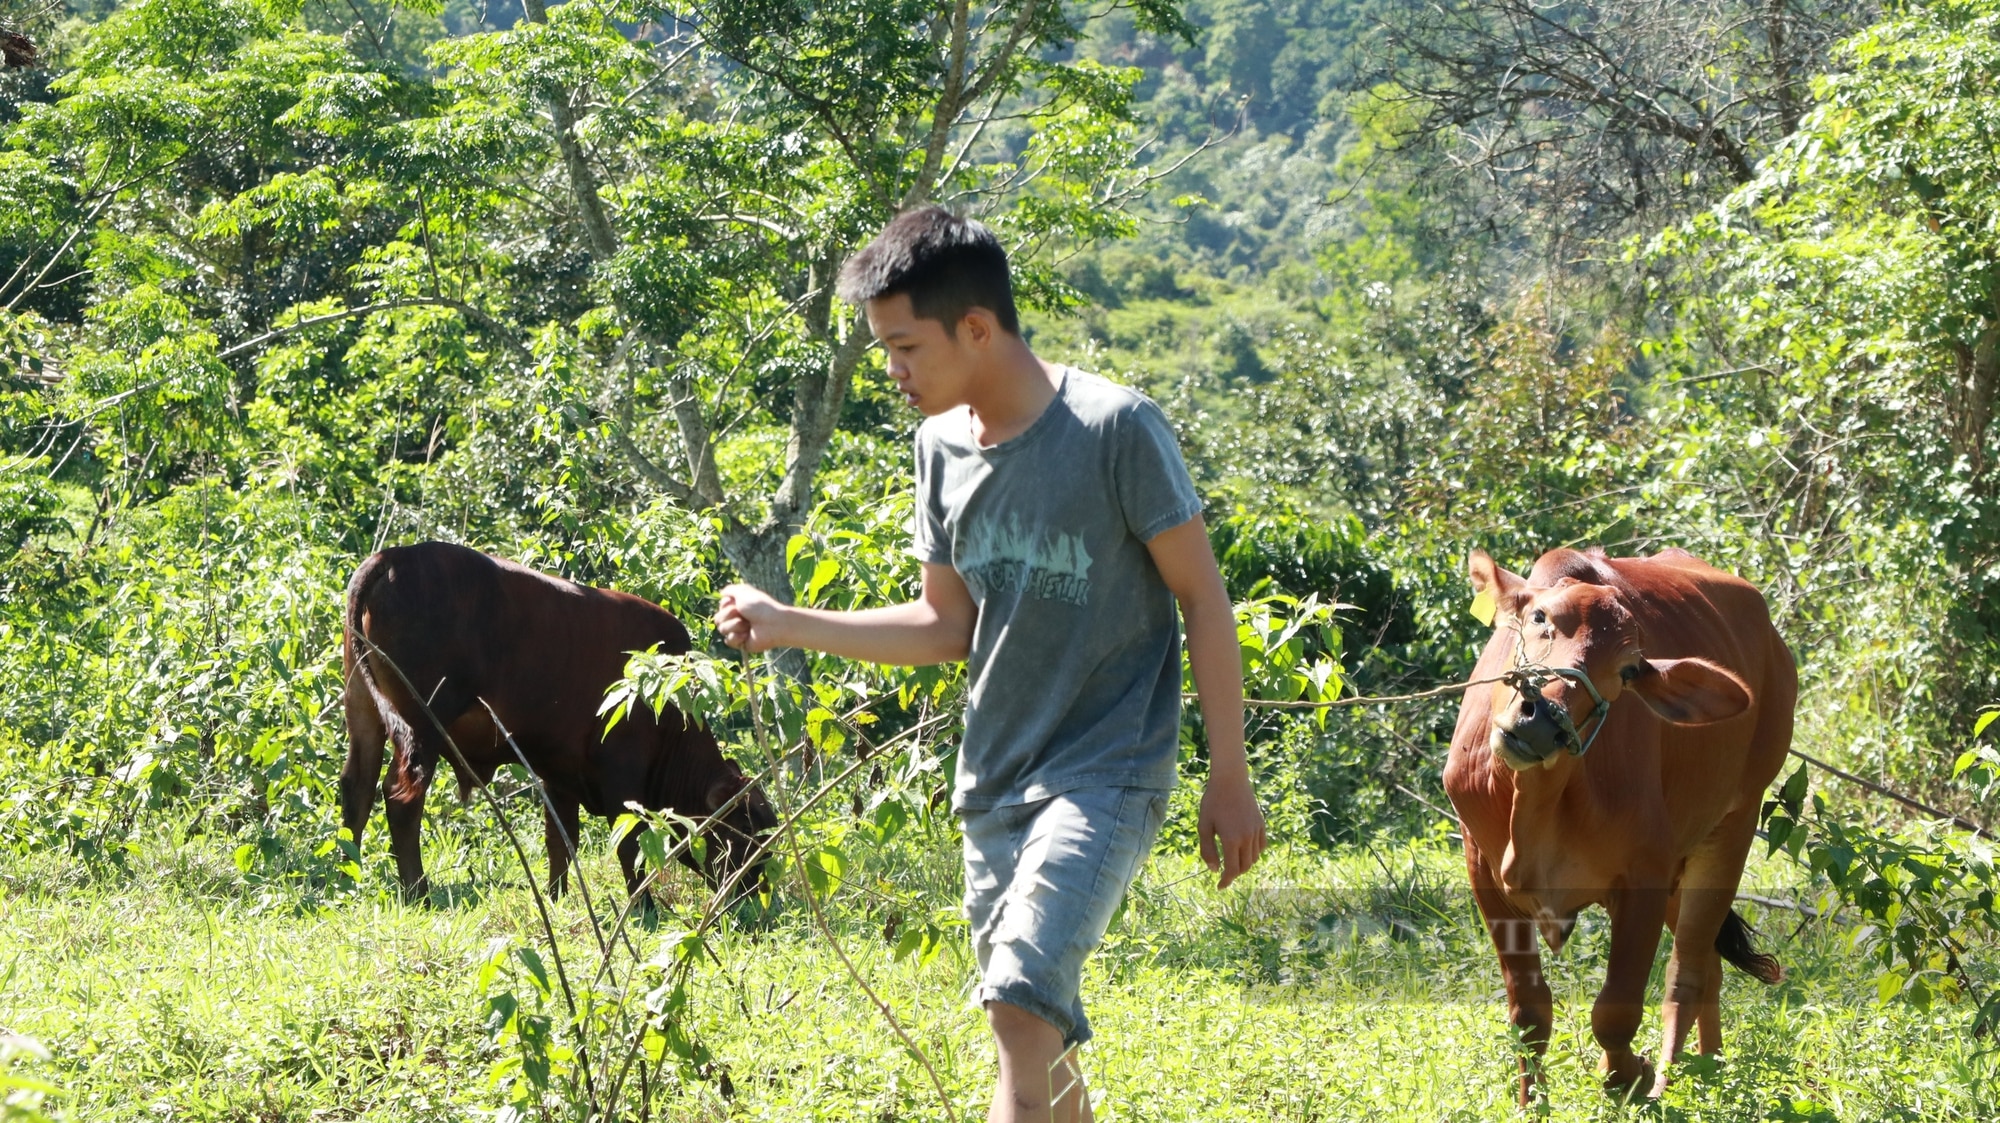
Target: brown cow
x,y
1654,820
466,631
16,50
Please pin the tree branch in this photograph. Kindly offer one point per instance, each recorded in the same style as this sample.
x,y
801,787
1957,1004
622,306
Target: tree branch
x,y
650,469
582,178
813,423
487,323
995,66
945,112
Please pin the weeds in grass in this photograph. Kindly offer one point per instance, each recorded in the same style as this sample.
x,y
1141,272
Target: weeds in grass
x,y
21,1095
1928,895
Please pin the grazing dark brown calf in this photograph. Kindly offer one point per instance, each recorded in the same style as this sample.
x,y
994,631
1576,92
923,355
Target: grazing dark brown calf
x,y
1622,765
466,632
16,51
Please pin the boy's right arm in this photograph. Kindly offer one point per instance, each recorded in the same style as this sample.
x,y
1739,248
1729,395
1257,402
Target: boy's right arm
x,y
934,628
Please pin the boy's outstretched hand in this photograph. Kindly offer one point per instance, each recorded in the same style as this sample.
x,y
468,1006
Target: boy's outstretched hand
x,y
747,617
1230,826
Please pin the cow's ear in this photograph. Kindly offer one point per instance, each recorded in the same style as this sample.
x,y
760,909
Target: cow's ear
x,y
1690,691
724,789
1493,588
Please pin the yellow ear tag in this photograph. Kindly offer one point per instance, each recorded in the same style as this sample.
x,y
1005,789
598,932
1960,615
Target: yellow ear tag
x,y
1483,605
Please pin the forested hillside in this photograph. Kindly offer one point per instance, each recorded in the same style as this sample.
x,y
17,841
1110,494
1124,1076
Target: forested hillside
x,y
286,281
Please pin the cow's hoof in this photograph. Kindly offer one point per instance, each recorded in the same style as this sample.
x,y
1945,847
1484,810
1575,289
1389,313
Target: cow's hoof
x,y
1626,1077
1532,1092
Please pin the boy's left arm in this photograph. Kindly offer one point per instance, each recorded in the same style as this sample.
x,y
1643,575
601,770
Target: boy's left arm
x,y
1231,826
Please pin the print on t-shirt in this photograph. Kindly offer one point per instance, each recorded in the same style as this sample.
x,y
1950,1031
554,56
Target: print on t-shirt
x,y
999,556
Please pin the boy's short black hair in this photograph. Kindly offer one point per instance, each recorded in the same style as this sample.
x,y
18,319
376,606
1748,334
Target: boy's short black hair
x,y
946,264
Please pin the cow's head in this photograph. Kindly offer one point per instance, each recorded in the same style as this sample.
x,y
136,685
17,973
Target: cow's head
x,y
1588,629
742,816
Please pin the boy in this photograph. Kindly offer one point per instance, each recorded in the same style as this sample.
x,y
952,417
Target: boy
x,y
1057,527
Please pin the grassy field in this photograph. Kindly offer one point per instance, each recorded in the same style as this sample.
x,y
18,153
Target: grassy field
x,y
1332,987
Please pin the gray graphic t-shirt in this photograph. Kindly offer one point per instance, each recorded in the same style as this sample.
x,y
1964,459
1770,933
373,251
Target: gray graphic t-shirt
x,y
1075,668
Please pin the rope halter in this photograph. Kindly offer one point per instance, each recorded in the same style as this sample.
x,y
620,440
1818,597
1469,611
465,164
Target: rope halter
x,y
1529,678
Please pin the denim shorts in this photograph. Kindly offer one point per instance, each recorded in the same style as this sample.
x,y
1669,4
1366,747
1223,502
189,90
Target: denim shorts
x,y
1042,881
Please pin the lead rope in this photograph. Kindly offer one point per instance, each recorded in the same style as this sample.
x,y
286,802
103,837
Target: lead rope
x,y
1536,675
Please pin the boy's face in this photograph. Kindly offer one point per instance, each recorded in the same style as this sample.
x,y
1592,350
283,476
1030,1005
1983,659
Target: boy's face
x,y
932,366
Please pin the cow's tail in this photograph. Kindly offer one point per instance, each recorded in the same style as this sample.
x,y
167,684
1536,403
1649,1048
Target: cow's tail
x,y
1733,943
408,748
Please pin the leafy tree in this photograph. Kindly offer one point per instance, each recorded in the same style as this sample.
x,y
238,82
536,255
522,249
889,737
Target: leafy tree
x,y
1838,389
589,253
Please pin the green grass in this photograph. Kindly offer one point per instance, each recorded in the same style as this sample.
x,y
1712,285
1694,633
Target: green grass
x,y
1332,987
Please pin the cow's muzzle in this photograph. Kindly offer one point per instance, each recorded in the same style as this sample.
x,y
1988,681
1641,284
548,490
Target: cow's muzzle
x,y
1532,728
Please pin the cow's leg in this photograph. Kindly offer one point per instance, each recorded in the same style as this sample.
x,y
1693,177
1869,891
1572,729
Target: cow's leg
x,y
1636,918
419,747
1694,973
560,826
366,735
1530,1007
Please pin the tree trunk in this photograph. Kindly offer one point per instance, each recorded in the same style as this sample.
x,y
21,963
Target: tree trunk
x,y
1981,386
1784,83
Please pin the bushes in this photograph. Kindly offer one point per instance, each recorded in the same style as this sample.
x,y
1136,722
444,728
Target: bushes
x,y
1287,553
1929,894
195,665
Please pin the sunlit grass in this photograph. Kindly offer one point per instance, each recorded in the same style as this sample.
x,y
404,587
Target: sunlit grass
x,y
1343,987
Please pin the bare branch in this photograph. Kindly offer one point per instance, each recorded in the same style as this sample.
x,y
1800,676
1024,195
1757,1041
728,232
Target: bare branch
x,y
645,465
491,326
945,112
1597,118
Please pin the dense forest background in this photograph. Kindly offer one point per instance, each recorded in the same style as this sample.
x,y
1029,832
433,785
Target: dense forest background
x,y
289,280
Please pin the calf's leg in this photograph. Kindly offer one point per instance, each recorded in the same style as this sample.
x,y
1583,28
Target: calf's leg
x,y
560,826
404,808
1530,1007
417,729
419,745
628,860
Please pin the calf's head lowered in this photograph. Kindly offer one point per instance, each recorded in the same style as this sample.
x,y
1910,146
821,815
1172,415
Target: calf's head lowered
x,y
731,812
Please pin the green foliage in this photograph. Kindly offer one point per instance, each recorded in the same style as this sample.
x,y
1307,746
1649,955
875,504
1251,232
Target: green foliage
x,y
287,282
198,674
1290,650
1834,375
1927,897
529,1061
23,340
1300,557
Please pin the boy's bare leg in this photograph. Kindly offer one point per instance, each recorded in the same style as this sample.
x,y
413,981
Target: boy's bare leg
x,y
1040,1081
